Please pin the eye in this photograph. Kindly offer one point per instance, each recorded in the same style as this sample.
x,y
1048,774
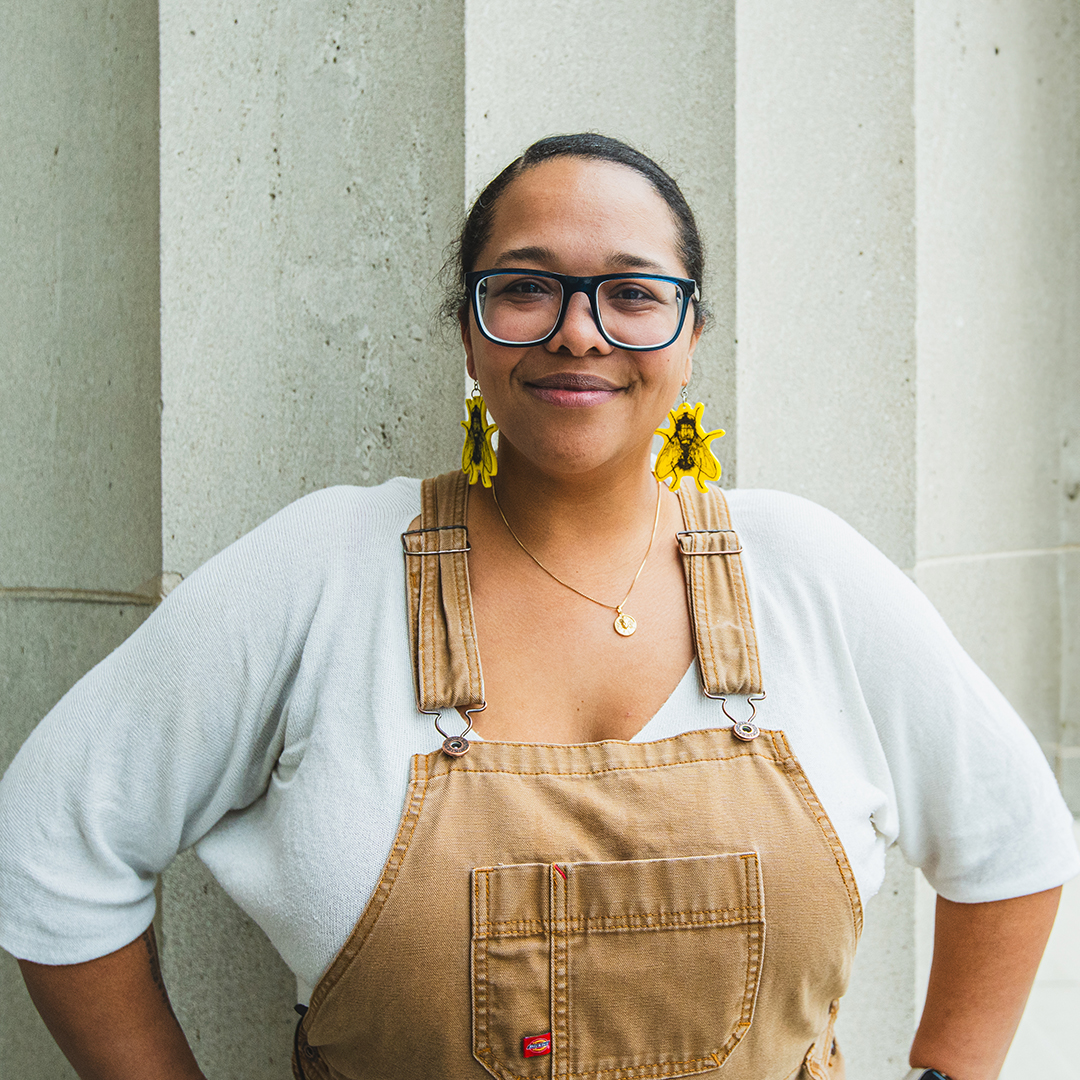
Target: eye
x,y
631,292
514,287
525,286
637,293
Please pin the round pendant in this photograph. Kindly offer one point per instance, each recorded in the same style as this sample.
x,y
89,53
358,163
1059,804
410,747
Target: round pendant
x,y
625,624
458,746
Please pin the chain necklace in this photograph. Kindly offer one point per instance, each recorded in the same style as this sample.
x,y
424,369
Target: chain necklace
x,y
624,624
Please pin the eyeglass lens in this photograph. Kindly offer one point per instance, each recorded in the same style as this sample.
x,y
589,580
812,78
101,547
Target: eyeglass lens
x,y
639,312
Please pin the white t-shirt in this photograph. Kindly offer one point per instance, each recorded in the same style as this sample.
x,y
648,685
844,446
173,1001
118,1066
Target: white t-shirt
x,y
265,713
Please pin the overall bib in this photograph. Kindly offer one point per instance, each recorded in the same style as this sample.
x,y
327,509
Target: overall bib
x,y
597,911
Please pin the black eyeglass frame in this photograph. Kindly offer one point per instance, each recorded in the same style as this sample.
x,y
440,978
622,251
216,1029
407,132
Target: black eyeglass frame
x,y
587,285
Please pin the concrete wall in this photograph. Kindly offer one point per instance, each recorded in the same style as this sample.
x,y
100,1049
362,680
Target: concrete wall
x,y
311,170
826,270
998,102
890,210
80,499
79,503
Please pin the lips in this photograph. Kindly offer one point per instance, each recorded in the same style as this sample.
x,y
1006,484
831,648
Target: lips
x,y
573,389
572,380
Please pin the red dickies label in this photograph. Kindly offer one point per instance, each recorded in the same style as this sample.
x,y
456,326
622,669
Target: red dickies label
x,y
536,1045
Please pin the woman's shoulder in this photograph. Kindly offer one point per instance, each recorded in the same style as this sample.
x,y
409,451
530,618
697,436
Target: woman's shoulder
x,y
346,506
342,518
785,533
782,515
319,542
802,557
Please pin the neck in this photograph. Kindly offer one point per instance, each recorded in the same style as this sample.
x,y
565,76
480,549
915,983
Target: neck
x,y
598,507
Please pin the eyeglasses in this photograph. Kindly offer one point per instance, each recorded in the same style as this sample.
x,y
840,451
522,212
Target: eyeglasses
x,y
640,312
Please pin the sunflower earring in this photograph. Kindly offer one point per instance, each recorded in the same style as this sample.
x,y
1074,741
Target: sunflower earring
x,y
686,450
478,461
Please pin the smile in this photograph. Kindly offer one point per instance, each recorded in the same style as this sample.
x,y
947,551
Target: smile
x,y
570,389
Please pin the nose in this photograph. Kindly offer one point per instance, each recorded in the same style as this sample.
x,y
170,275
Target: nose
x,y
579,333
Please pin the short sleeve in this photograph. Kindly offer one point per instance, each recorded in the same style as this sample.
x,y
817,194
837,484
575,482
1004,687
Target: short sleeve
x,y
906,740
178,727
979,809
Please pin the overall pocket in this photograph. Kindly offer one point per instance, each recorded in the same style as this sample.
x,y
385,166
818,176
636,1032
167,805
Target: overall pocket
x,y
635,969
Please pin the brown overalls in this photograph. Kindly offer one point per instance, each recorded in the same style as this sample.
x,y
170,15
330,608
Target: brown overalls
x,y
597,911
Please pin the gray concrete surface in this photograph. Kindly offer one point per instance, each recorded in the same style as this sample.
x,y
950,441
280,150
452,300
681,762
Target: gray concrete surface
x,y
311,171
80,497
826,259
826,342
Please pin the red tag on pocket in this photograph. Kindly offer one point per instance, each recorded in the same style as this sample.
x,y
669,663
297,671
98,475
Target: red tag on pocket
x,y
536,1045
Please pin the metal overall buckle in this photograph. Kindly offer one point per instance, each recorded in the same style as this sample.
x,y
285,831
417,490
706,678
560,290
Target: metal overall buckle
x,y
741,729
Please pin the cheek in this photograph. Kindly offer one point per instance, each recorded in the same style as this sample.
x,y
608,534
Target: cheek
x,y
673,368
491,366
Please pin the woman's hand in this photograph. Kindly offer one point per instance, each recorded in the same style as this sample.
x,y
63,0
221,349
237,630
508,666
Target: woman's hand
x,y
112,1016
985,958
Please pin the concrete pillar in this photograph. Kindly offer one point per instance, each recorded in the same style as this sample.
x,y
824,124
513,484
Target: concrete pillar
x,y
661,77
79,472
998,104
825,169
998,330
311,162
826,269
312,165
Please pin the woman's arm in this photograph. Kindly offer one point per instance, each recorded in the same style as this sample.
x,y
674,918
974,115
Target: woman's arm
x,y
112,1016
985,958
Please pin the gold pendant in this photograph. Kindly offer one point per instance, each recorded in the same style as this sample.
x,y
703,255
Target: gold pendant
x,y
625,624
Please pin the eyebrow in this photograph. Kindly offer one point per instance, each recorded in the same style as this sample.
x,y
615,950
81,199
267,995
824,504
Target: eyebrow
x,y
626,261
525,254
623,260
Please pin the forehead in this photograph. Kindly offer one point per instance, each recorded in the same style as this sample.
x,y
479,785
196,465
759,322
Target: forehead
x,y
584,212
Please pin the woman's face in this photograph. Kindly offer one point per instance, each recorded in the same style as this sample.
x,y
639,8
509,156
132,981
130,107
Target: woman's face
x,y
577,403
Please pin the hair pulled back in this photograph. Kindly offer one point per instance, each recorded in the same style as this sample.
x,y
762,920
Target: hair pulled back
x,y
591,147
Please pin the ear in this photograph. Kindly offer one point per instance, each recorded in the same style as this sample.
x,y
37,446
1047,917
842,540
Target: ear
x,y
466,340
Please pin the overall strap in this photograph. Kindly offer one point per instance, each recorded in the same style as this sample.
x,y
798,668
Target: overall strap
x,y
724,636
442,633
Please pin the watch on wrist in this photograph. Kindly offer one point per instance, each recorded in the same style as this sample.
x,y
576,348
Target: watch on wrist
x,y
925,1074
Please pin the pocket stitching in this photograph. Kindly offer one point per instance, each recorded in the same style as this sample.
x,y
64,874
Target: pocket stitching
x,y
749,914
617,924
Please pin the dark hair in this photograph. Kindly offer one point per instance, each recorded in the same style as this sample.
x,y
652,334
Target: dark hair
x,y
590,146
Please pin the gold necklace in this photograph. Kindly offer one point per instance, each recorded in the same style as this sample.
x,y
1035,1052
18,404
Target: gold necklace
x,y
624,624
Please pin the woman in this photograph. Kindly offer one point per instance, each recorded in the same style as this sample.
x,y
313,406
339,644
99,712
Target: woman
x,y
613,873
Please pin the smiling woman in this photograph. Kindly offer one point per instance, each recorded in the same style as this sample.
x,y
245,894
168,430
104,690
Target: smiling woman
x,y
572,398
576,416
523,808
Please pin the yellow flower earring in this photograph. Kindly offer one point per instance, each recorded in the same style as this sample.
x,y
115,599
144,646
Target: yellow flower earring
x,y
478,461
686,450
